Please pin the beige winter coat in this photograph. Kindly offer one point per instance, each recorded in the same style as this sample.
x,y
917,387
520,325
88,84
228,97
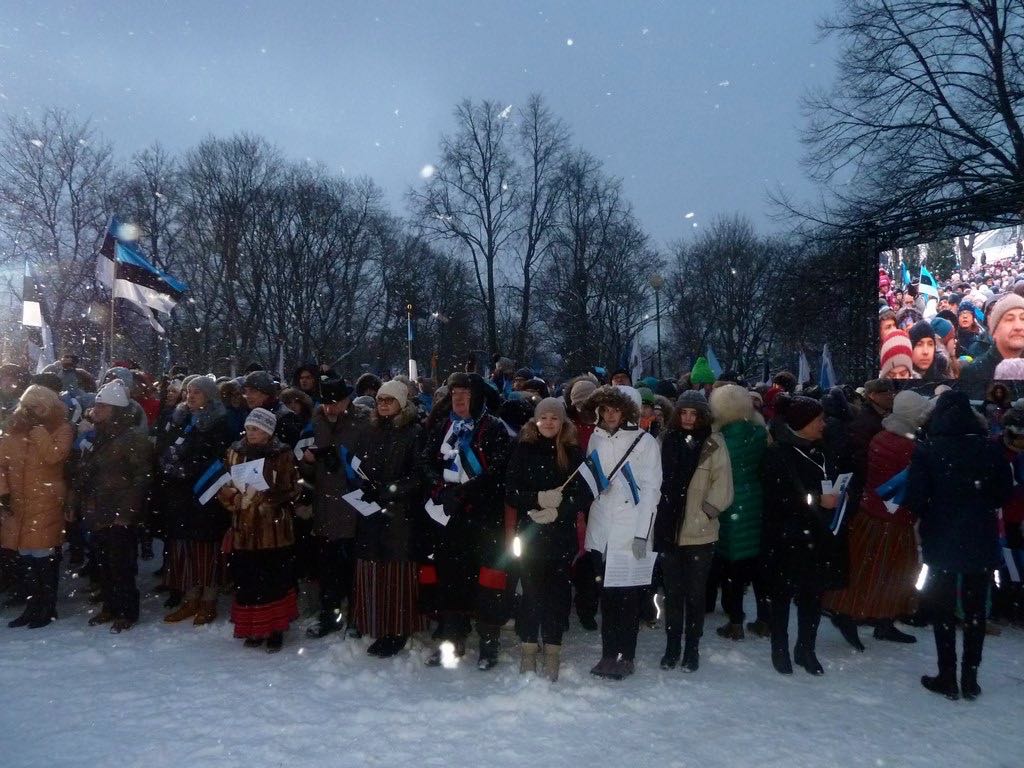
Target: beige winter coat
x,y
709,492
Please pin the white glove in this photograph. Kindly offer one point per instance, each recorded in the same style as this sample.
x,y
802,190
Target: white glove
x,y
550,499
543,516
639,548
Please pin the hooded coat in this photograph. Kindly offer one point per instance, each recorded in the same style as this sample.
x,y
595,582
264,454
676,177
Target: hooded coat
x,y
334,518
746,439
32,456
957,482
115,473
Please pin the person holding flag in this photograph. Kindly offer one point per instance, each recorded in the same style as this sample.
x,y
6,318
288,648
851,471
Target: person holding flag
x,y
623,473
696,487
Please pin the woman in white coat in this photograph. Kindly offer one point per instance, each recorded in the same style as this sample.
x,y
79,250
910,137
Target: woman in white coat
x,y
622,517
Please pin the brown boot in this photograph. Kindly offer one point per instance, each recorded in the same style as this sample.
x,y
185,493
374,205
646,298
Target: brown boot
x,y
187,610
730,631
552,662
207,612
528,658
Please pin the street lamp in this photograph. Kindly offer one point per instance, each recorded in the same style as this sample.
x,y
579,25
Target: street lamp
x,y
657,282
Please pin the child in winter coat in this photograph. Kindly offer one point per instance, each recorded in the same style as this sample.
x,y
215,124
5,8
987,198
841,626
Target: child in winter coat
x,y
543,459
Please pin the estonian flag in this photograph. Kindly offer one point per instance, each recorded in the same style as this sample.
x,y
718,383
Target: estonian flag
x,y
634,489
904,273
928,286
593,474
827,379
206,487
895,488
127,274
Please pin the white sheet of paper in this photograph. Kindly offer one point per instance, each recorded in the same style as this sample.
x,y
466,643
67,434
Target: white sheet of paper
x,y
249,473
436,512
621,569
826,487
842,483
891,506
355,498
219,483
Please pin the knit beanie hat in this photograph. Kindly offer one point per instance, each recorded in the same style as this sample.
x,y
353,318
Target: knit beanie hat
x,y
896,352
261,381
966,306
113,393
943,328
262,419
1010,369
702,373
921,330
909,411
646,395
695,400
207,386
801,412
1004,305
551,405
395,389
580,391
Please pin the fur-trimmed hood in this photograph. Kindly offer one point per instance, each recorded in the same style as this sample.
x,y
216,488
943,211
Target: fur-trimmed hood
x,y
731,403
614,397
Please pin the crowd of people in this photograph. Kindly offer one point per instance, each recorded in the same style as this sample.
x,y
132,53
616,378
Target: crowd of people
x,y
409,509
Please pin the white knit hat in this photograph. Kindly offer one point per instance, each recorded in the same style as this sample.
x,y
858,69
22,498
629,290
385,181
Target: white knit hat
x,y
262,419
396,389
113,393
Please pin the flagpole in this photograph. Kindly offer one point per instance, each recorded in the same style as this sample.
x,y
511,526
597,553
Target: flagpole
x,y
113,290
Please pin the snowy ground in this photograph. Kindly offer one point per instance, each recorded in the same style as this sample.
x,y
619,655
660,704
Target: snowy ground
x,y
182,696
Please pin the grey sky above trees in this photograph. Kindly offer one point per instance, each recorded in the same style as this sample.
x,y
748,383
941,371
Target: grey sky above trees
x,y
694,105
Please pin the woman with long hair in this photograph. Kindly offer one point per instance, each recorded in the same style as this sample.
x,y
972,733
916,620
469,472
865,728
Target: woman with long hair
x,y
543,460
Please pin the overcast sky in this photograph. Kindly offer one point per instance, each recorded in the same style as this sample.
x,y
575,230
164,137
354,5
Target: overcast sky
x,y
694,104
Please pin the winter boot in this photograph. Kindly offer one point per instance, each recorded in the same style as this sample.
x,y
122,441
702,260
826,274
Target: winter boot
x,y
620,669
121,625
804,656
489,647
392,645
206,613
174,598
730,631
781,661
552,661
943,685
671,657
691,655
8,569
103,617
759,628
30,584
188,609
47,579
528,657
17,592
886,630
969,682
588,623
603,667
848,629
253,642
274,642
329,621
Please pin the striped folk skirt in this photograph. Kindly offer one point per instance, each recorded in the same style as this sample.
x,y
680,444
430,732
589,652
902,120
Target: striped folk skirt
x,y
884,566
386,595
191,565
265,596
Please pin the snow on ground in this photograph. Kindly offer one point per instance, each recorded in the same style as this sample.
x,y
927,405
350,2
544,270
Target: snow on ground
x,y
163,695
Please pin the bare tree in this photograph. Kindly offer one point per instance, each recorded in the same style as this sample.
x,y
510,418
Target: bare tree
x,y
927,103
472,198
54,178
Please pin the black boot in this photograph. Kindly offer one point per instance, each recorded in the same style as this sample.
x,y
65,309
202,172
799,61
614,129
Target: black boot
x,y
32,591
781,661
329,621
969,682
806,639
489,647
780,638
886,630
8,569
806,658
944,685
974,639
671,657
691,655
848,629
274,642
17,593
387,646
48,579
945,647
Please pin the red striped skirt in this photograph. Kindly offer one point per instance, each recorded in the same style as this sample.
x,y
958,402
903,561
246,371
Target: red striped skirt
x,y
191,565
261,620
386,598
884,566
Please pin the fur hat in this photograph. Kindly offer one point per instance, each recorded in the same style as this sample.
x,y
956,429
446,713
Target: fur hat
x,y
113,393
1004,305
896,351
731,403
262,419
334,391
261,381
396,389
615,397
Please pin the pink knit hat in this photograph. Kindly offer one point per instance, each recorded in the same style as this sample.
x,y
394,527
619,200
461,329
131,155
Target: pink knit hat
x,y
896,351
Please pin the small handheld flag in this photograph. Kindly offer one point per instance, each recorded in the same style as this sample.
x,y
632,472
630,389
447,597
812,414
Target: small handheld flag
x,y
593,474
634,489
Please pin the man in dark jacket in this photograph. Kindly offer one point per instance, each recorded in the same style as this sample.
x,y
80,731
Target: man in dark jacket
x,y
464,461
337,425
957,482
113,479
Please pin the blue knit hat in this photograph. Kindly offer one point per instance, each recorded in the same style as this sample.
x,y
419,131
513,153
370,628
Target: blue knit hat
x,y
942,327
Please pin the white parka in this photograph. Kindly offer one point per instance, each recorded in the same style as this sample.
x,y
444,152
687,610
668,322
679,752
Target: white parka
x,y
614,519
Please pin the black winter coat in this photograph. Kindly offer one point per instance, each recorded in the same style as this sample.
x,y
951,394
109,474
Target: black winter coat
x,y
800,548
185,450
532,468
388,450
957,482
679,460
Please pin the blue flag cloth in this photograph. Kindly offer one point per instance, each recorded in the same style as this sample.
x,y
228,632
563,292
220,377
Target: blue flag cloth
x,y
895,488
904,273
634,489
212,472
593,475
716,367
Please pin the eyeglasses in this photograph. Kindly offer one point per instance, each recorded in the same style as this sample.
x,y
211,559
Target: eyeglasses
x,y
386,400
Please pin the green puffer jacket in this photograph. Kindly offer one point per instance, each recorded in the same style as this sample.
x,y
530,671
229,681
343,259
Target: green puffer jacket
x,y
739,536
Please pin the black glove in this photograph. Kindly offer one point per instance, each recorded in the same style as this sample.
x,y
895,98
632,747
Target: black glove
x,y
371,495
328,455
452,498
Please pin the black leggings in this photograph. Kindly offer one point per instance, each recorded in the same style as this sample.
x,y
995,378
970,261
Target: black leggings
x,y
544,607
117,558
944,590
685,570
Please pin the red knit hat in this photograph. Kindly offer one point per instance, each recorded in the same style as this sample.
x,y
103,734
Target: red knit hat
x,y
896,351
